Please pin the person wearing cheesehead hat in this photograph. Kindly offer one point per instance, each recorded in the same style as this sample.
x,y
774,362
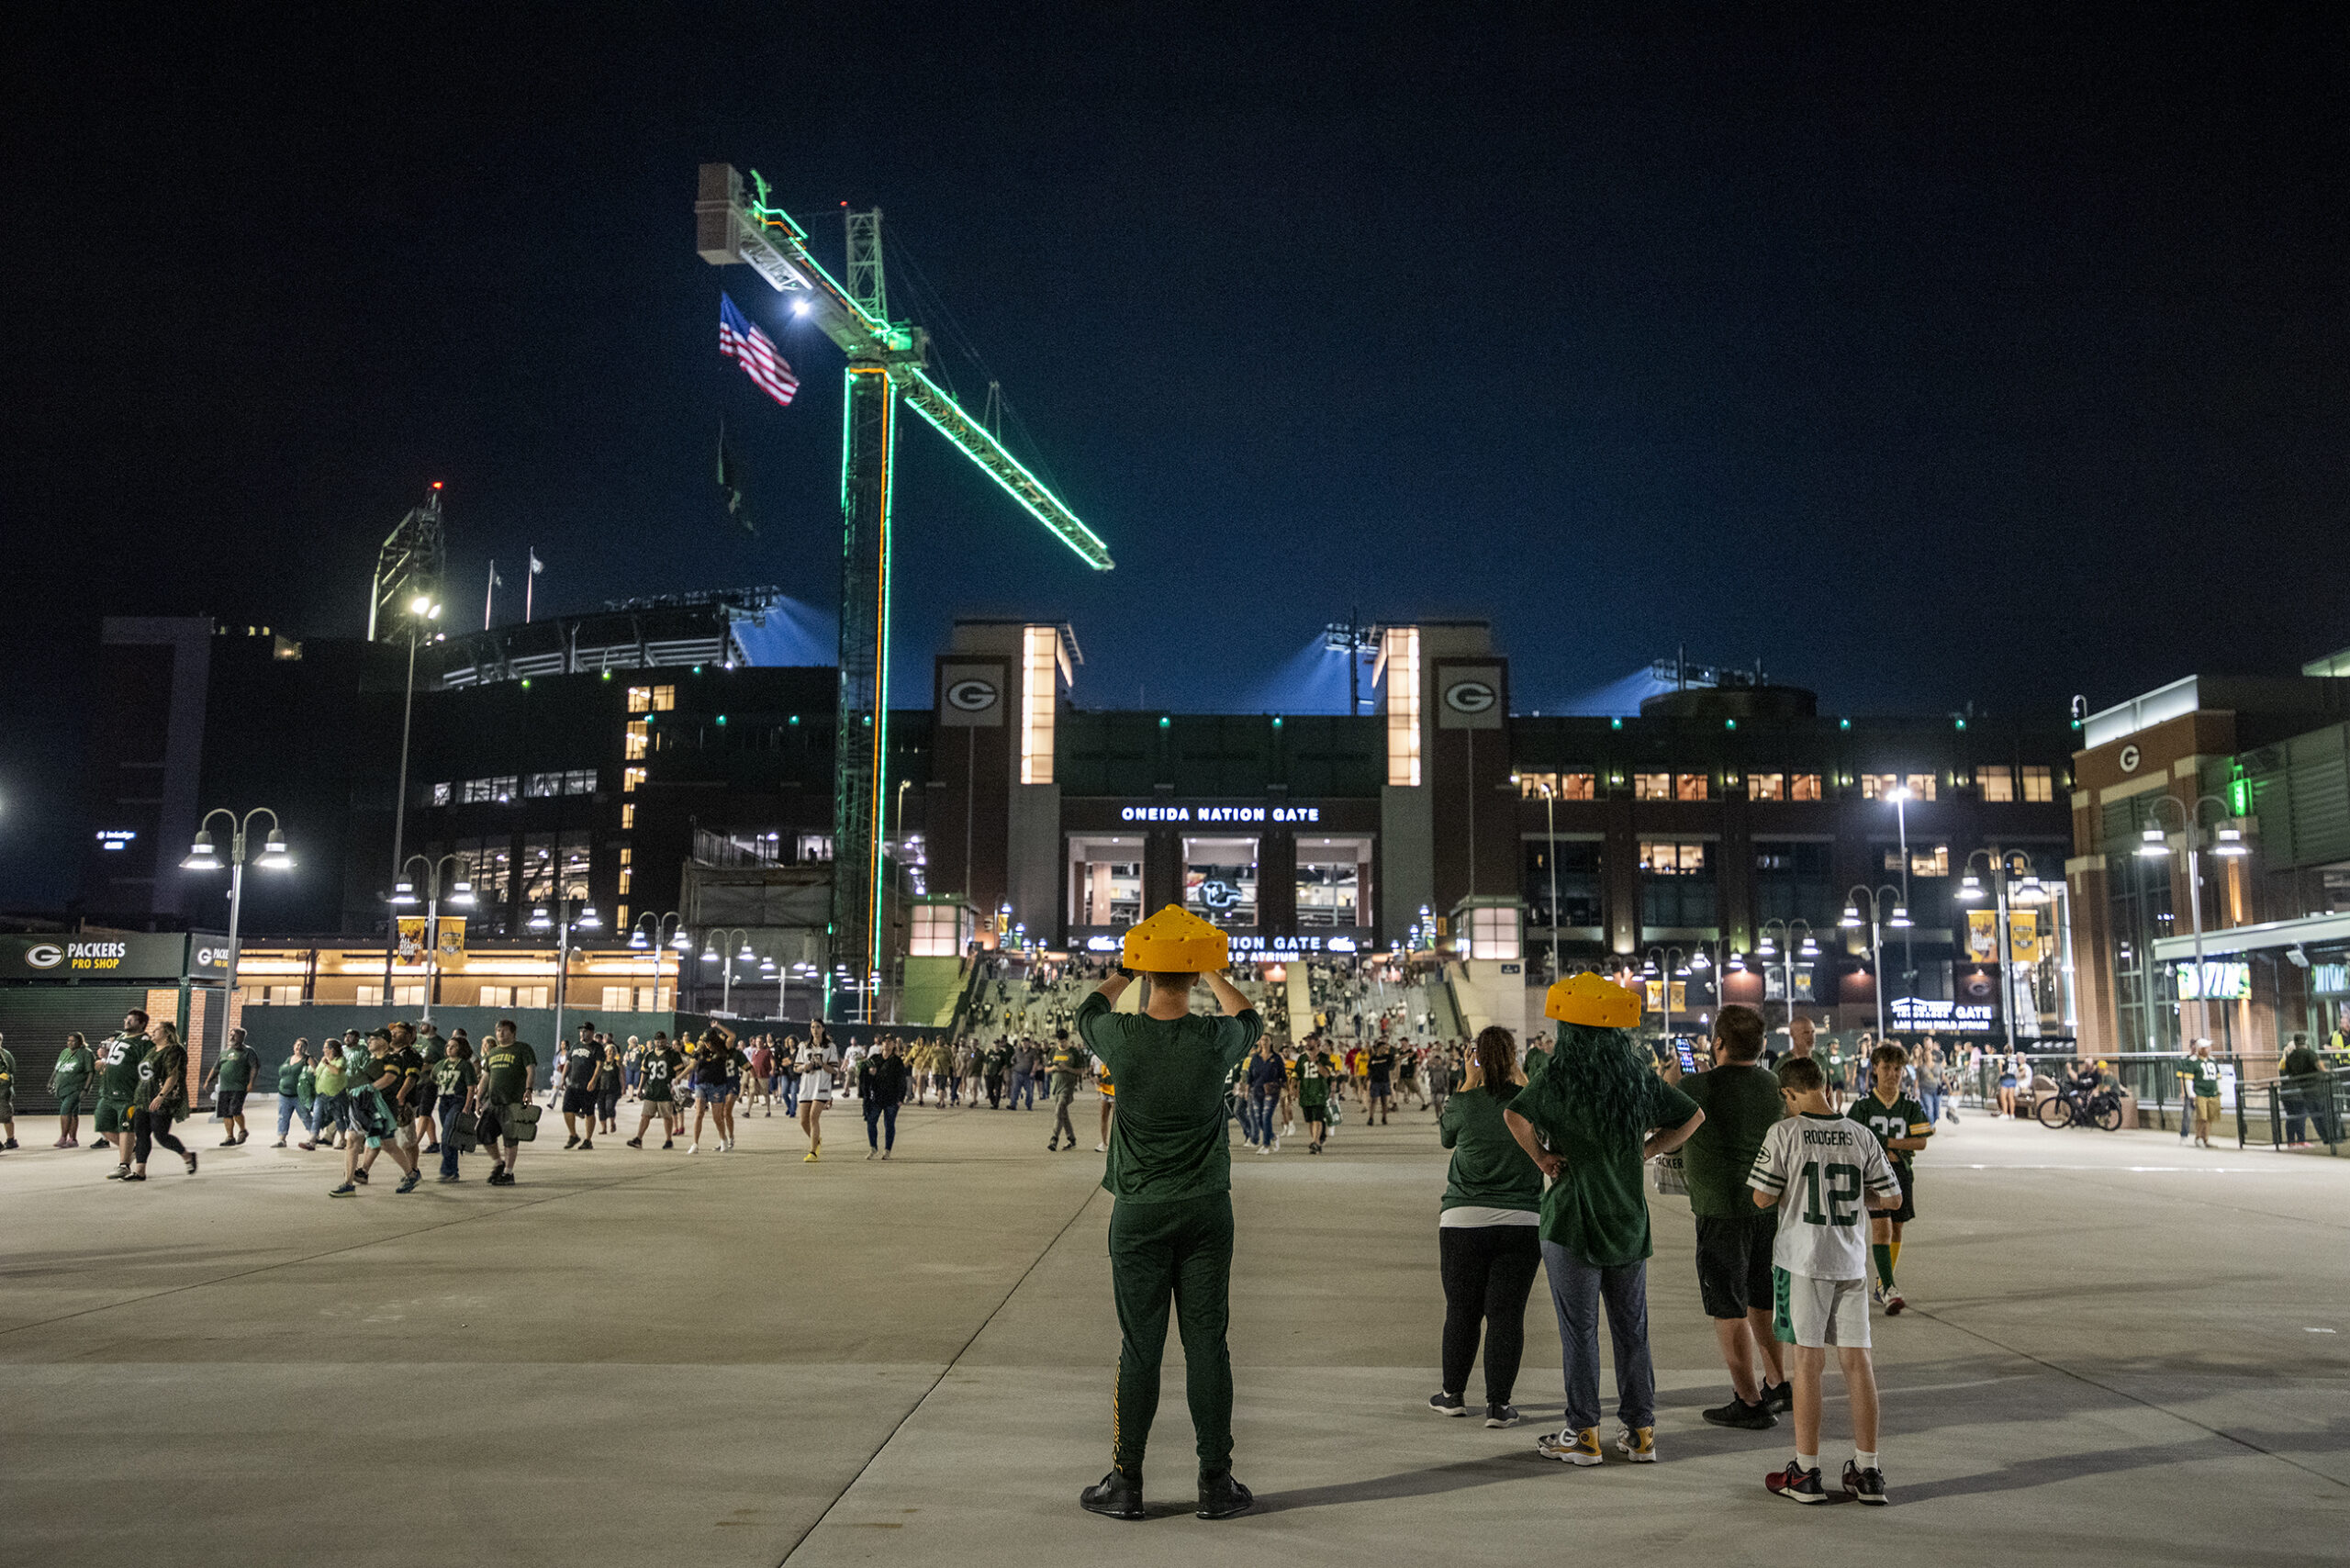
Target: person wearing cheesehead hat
x,y
1171,1171
1592,1116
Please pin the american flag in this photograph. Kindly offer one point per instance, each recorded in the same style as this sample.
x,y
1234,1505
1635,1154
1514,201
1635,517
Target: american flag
x,y
749,347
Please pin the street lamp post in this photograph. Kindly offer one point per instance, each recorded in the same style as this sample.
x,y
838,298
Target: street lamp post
x,y
1785,951
668,930
1901,795
1875,898
564,921
422,611
2002,864
1674,967
2227,842
712,951
460,894
202,857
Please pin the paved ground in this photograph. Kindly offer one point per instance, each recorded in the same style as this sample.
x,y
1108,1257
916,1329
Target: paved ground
x,y
2121,1351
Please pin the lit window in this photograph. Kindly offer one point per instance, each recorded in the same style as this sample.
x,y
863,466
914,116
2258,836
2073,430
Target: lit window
x,y
1578,786
640,739
579,781
630,779
441,794
621,918
1803,787
1039,687
1401,658
626,876
1934,862
2039,784
1996,783
1493,934
628,815
1535,786
628,854
1921,786
1652,785
1673,859
1877,786
665,698
1689,786
1766,786
540,786
640,698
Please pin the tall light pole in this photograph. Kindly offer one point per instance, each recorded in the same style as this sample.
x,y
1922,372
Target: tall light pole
x,y
668,930
202,857
2227,842
460,894
1721,969
713,952
1784,949
566,922
1675,967
1876,898
2002,864
1900,795
1550,833
423,610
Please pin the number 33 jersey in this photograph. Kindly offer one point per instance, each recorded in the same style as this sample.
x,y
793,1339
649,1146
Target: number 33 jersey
x,y
1817,1168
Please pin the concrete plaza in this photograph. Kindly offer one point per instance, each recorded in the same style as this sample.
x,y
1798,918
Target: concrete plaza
x,y
2121,1350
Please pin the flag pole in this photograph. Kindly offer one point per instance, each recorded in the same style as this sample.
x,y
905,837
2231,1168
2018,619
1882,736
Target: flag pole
x,y
529,583
489,596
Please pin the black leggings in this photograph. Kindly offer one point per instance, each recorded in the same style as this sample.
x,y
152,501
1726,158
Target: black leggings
x,y
1488,1274
148,1129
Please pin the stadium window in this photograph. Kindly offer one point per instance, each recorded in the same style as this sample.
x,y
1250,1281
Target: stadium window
x,y
1673,859
623,917
628,815
1997,783
2039,784
640,698
541,786
579,781
665,698
1934,862
639,740
1877,786
440,795
1578,786
1766,786
627,877
1535,786
1689,786
630,779
1652,785
1921,786
628,854
1803,787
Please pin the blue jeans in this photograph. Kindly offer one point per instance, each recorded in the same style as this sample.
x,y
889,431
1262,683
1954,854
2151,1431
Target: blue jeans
x,y
887,1115
791,1094
289,1108
1023,1086
329,1113
1931,1100
450,1105
1576,1291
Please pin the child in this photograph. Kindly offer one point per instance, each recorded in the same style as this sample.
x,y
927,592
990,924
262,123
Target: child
x,y
1819,1170
1902,1126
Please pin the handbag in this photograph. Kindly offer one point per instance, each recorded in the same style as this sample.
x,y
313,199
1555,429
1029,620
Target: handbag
x,y
521,1121
463,1131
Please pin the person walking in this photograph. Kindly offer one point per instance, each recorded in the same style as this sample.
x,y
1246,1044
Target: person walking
x,y
67,1079
452,1084
1068,1062
509,1066
380,1118
1592,1116
1741,1102
120,1062
230,1079
882,1080
296,1092
657,1068
1313,1073
1489,1247
1023,1075
583,1069
163,1099
7,1096
818,1059
1170,1172
1265,1074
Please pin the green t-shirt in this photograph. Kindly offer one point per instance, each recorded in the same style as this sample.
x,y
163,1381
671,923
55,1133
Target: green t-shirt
x,y
657,1068
1169,1140
2301,1062
1312,1072
74,1066
237,1069
1069,1062
331,1077
2207,1079
1741,1101
1904,1118
164,1072
432,1047
118,1061
7,1071
1489,1169
453,1075
289,1075
1596,1209
506,1067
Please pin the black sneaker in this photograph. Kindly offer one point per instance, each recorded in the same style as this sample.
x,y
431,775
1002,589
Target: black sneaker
x,y
1447,1404
1863,1485
501,1179
669,1143
135,1176
1054,1146
1115,1495
586,1144
451,1177
1499,1416
345,1190
191,1162
1780,1396
360,1177
409,1182
571,1142
432,1147
1737,1412
636,1143
1796,1484
1222,1497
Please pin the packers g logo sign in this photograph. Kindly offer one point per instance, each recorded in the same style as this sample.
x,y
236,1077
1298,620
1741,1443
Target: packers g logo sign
x,y
971,696
1470,697
44,955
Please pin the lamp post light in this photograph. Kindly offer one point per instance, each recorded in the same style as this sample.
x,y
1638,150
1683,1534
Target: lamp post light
x,y
1785,949
586,919
202,857
667,930
1674,967
2003,864
460,894
713,951
423,610
2226,842
1901,795
1551,855
1876,898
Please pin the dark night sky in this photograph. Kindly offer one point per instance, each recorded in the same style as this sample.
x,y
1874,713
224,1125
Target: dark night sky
x,y
1994,357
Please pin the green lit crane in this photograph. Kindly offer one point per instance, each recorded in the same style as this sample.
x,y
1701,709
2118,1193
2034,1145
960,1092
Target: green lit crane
x,y
886,363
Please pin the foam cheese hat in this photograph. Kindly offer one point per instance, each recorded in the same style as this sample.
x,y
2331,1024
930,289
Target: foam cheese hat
x,y
1587,999
1175,942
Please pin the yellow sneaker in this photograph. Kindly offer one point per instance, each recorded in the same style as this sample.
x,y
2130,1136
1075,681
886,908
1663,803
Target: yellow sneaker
x,y
1570,1447
1636,1444
809,1158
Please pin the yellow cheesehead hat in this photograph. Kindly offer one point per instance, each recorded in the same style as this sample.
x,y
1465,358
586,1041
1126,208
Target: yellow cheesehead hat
x,y
1174,943
1587,999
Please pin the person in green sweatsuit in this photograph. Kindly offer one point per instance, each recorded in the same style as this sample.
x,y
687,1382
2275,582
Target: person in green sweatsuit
x,y
1171,1231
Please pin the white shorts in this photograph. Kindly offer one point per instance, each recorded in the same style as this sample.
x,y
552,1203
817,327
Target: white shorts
x,y
816,1086
1815,1313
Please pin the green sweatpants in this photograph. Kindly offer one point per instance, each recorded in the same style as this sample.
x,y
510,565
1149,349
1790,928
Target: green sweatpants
x,y
1179,1251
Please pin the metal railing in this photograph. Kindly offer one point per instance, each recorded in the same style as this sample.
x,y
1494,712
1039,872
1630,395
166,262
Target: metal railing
x,y
2294,1113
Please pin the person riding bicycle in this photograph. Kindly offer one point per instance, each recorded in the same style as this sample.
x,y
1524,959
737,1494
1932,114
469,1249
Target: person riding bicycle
x,y
2085,1082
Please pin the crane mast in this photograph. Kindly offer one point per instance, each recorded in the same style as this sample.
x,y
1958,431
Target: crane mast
x,y
886,363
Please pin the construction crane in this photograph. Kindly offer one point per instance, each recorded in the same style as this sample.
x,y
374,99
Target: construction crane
x,y
887,363
413,560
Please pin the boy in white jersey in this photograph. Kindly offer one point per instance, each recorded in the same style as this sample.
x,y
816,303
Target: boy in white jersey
x,y
1822,1172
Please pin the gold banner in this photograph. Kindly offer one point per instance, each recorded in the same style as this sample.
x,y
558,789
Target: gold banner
x,y
453,938
1983,935
411,949
412,938
2023,935
1655,989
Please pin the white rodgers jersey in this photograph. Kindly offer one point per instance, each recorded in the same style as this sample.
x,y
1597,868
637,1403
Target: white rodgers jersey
x,y
1818,1167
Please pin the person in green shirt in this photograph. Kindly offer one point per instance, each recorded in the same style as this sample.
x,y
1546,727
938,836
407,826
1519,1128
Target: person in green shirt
x,y
1170,1167
118,1064
1592,1116
67,1079
330,1106
163,1099
1488,1244
297,1094
507,1066
1313,1072
1067,1066
231,1078
1741,1102
453,1085
658,1066
378,1117
1902,1126
2305,1090
8,1098
2203,1082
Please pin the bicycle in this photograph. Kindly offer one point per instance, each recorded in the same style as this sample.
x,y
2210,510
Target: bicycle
x,y
2101,1108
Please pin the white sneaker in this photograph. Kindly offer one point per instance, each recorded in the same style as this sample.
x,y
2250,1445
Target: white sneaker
x,y
1100,1148
1274,1147
693,1148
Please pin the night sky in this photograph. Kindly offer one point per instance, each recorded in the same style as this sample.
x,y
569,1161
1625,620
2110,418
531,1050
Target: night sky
x,y
1992,358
